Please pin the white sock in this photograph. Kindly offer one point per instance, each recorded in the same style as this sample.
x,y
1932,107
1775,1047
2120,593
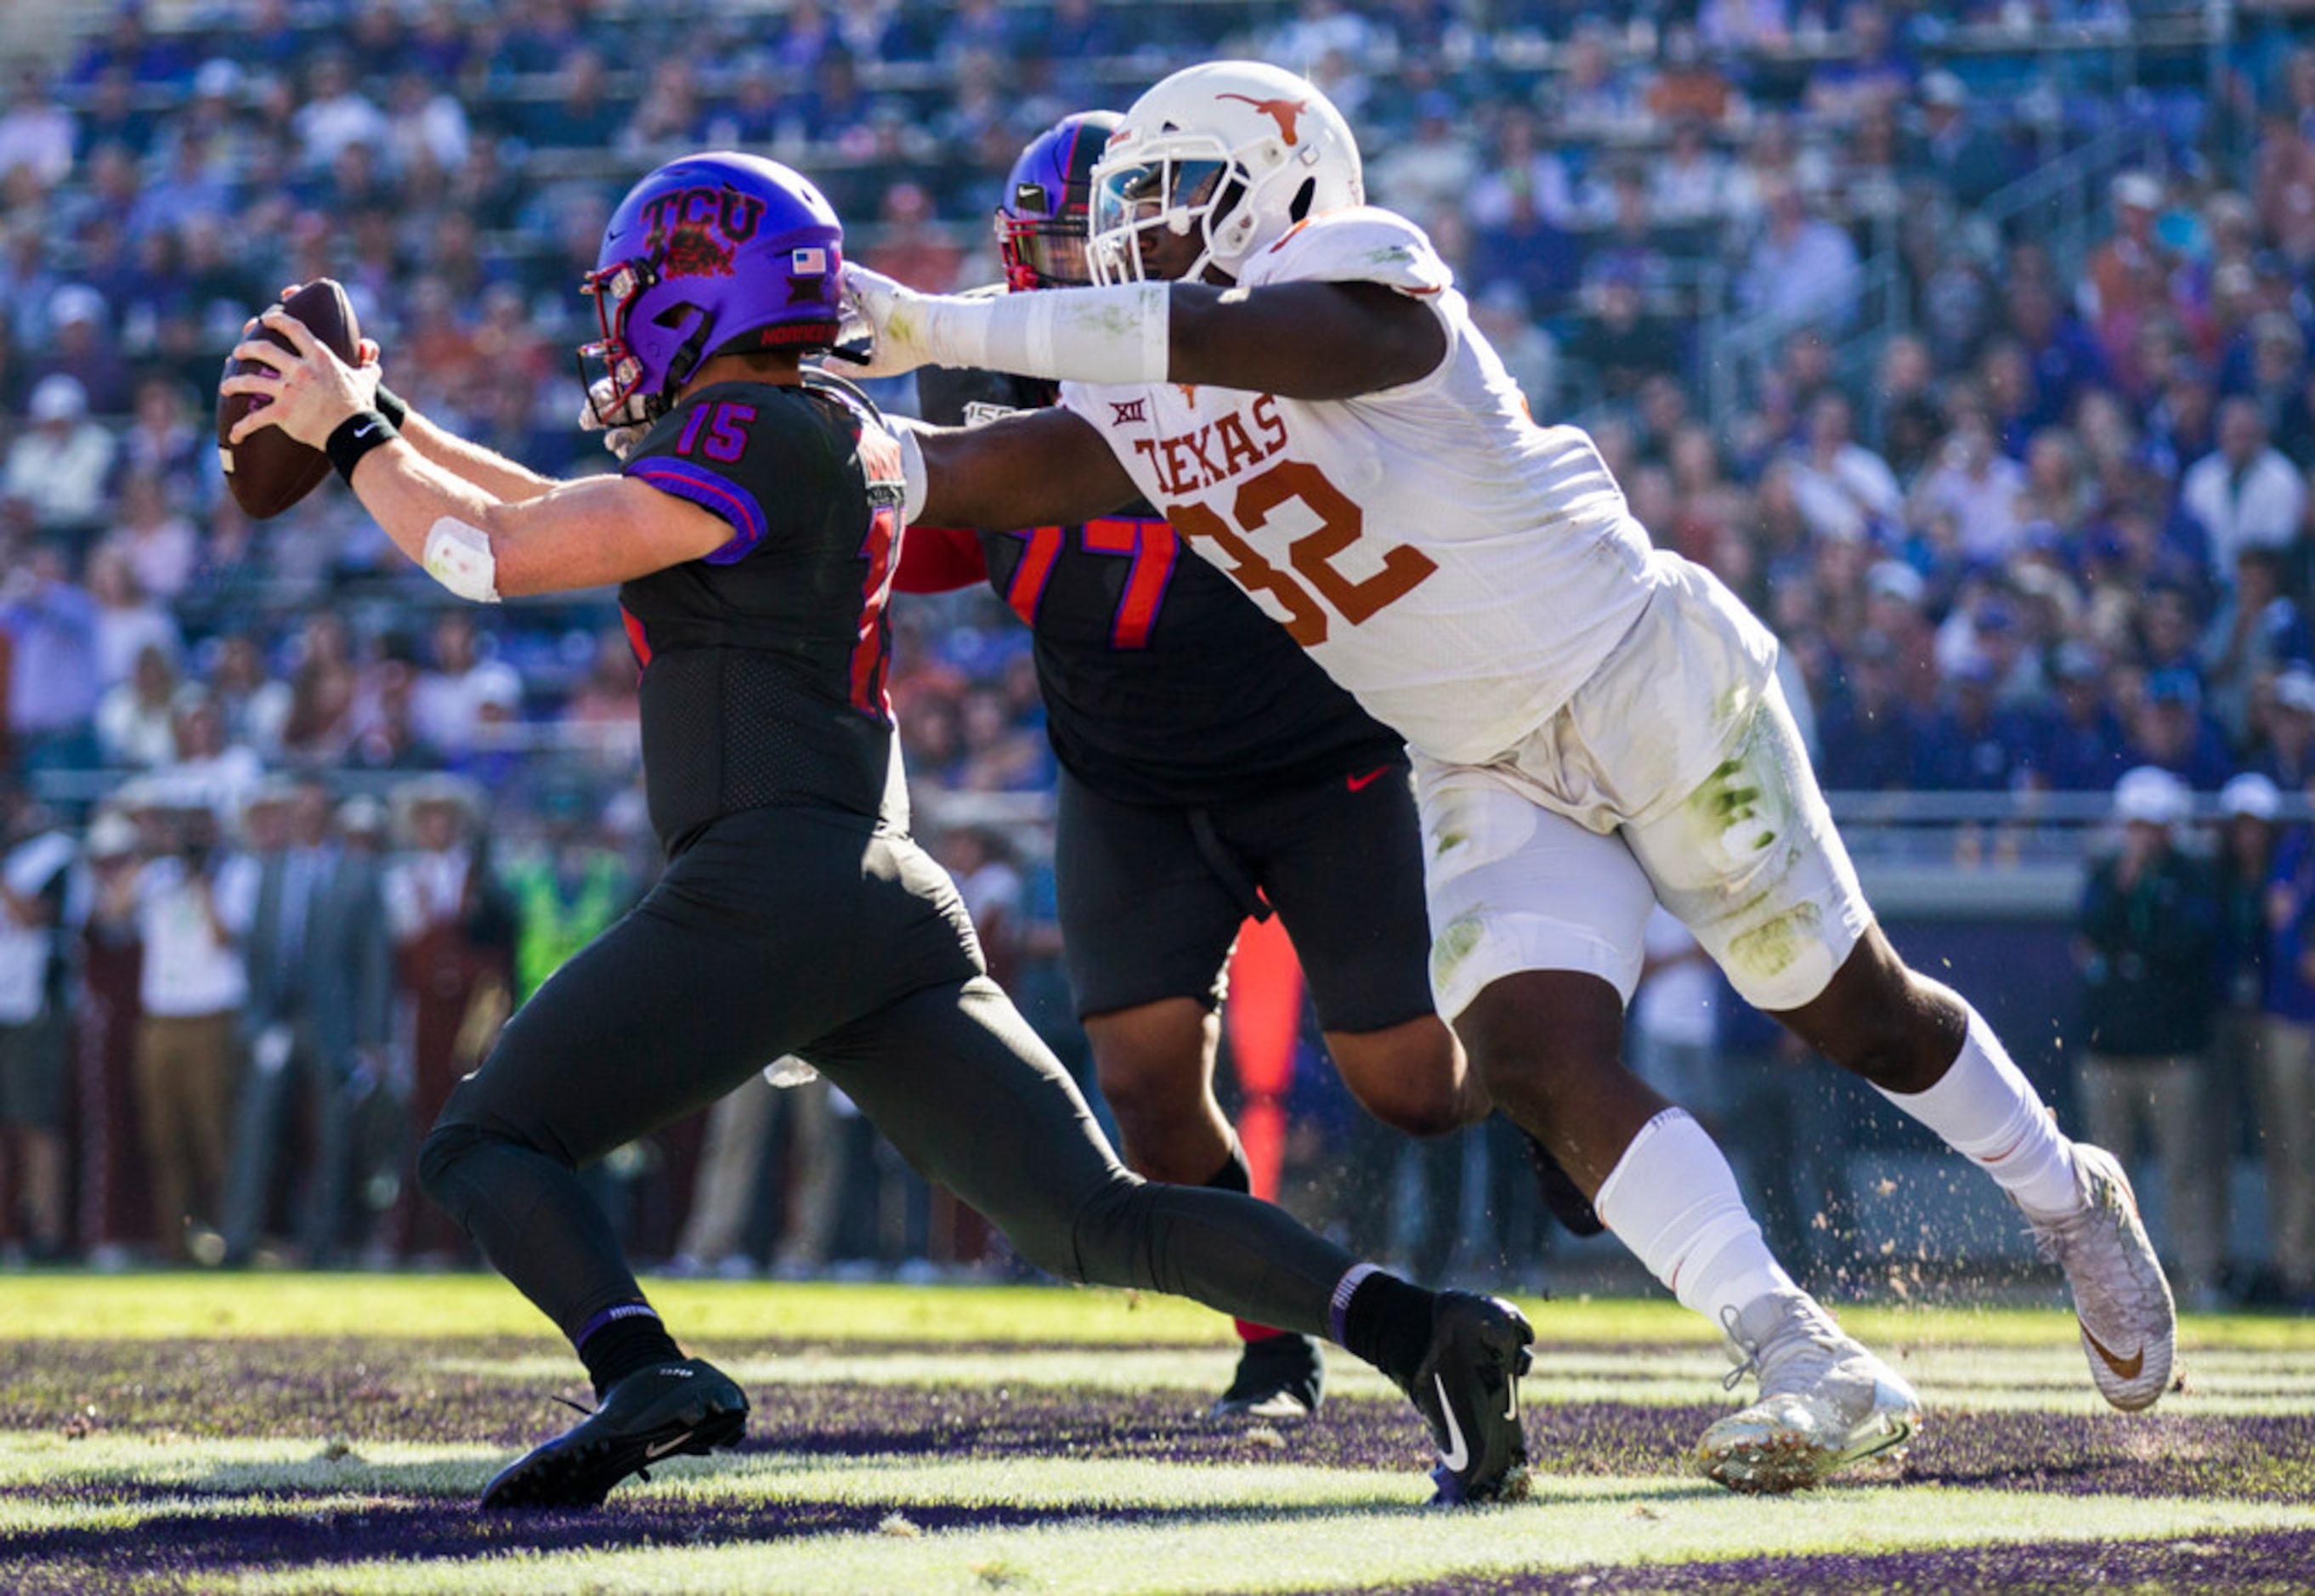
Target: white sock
x,y
1986,1109
1672,1199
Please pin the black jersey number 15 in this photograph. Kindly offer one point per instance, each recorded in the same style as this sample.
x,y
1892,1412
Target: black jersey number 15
x,y
718,430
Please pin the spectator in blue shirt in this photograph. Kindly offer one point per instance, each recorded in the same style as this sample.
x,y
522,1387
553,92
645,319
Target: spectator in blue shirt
x,y
1970,746
1875,70
581,114
1868,736
2082,740
2256,630
2065,356
1954,149
1528,248
2286,752
2169,731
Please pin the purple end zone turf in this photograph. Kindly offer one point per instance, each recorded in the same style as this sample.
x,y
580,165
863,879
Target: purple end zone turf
x,y
2275,1561
364,1391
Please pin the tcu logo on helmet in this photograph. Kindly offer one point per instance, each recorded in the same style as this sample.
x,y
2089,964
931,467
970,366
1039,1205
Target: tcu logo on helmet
x,y
697,229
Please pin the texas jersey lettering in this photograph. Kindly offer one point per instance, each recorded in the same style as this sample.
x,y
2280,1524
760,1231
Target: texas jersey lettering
x,y
1403,534
1162,685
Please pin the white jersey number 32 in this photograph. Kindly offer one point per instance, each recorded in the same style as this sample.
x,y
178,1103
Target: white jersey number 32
x,y
1341,524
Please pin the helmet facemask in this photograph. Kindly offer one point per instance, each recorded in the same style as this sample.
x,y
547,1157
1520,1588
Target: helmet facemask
x,y
1041,224
1180,184
615,289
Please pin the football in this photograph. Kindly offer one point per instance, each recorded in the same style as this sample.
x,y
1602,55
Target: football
x,y
268,471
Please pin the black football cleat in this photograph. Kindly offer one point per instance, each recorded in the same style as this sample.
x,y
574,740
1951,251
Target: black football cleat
x,y
1467,1390
1563,1199
690,1406
1279,1378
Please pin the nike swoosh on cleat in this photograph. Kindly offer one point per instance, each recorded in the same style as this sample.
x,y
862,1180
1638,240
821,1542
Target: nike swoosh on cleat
x,y
2124,1368
661,1449
1457,1453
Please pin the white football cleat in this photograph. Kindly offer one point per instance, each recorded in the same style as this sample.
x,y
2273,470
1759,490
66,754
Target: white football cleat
x,y
1825,1402
2129,1322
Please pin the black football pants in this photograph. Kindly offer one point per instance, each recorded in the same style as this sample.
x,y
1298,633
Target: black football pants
x,y
788,930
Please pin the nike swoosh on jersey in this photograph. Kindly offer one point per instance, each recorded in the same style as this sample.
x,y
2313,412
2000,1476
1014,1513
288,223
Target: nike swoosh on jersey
x,y
1360,784
2124,1368
1458,1452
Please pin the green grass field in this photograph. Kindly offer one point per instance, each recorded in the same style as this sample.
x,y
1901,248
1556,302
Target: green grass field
x,y
329,1433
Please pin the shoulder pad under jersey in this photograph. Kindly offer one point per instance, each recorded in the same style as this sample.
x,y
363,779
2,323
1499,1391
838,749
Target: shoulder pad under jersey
x,y
1363,244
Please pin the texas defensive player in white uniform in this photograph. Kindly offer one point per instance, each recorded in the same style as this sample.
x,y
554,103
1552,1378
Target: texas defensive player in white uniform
x,y
1292,378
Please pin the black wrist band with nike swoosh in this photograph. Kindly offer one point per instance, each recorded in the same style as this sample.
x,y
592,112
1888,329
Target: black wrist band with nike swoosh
x,y
392,405
355,436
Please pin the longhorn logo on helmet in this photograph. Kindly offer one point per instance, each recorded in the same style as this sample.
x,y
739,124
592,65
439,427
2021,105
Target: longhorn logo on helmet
x,y
1286,113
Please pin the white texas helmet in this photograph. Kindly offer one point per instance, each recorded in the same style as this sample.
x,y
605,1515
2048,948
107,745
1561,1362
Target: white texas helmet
x,y
1239,150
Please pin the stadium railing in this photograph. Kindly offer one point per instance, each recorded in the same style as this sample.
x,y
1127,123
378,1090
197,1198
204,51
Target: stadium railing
x,y
2062,198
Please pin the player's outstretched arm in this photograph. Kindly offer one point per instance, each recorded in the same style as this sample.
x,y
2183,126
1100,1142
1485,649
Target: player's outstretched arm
x,y
562,536
1035,468
508,481
1299,339
485,468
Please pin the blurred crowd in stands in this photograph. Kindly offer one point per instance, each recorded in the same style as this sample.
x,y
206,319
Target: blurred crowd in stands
x,y
2027,499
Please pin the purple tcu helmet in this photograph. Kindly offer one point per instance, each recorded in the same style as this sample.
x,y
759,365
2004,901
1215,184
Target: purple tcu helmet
x,y
1040,225
712,254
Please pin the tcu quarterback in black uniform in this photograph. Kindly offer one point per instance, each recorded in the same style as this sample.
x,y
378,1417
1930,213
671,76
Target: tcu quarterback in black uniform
x,y
1209,771
754,531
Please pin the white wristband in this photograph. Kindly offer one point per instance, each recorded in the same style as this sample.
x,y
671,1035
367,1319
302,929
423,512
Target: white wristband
x,y
1091,335
914,485
459,557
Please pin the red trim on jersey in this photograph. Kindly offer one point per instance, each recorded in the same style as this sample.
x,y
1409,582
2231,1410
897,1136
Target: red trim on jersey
x,y
636,638
939,560
873,648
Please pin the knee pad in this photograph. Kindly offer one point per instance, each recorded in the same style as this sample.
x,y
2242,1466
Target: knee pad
x,y
1107,1243
444,1148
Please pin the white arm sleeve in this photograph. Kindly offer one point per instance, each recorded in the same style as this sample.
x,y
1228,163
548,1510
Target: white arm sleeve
x,y
914,485
1096,335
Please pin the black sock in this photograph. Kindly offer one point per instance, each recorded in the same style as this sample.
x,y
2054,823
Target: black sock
x,y
621,1339
1386,1320
1236,1174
